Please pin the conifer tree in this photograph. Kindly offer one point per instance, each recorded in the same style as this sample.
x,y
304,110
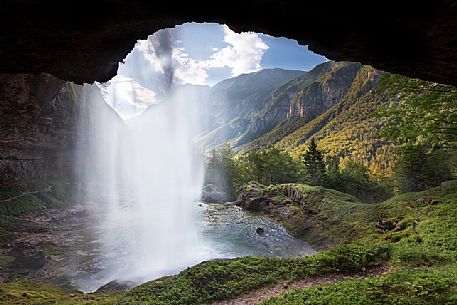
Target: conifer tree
x,y
314,164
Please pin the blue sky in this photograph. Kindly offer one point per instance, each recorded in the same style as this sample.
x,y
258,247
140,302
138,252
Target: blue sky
x,y
199,54
206,53
222,53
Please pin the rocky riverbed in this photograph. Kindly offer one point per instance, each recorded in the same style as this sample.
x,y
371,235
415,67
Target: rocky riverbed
x,y
59,245
50,243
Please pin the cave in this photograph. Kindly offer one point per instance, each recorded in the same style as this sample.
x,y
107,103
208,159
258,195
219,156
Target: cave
x,y
54,56
83,41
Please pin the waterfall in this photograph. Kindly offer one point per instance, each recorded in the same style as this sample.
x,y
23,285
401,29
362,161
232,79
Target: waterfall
x,y
140,172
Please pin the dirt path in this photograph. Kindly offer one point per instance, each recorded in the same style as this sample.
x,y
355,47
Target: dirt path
x,y
263,294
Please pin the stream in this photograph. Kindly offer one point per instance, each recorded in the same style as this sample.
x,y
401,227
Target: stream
x,y
227,230
233,232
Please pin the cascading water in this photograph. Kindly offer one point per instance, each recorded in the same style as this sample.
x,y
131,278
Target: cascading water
x,y
143,176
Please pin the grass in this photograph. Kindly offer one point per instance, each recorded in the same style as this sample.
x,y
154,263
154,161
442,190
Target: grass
x,y
425,260
425,286
33,196
31,293
222,279
423,253
340,217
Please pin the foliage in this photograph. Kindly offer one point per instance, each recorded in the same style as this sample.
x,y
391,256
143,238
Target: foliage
x,y
421,112
355,179
314,164
267,167
220,170
228,173
418,170
30,197
346,130
320,216
432,245
35,293
222,279
427,286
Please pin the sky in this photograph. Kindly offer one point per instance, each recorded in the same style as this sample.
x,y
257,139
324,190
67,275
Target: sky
x,y
198,54
214,52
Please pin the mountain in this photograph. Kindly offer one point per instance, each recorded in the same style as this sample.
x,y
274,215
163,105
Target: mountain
x,y
347,130
336,103
232,104
246,107
304,98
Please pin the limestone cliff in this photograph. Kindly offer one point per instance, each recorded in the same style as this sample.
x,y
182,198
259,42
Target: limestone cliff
x,y
38,124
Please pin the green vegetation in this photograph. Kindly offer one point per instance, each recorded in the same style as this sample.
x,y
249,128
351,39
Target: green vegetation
x,y
33,293
423,252
315,170
220,170
419,169
31,197
347,131
427,286
421,113
388,135
354,178
385,134
267,167
230,173
222,279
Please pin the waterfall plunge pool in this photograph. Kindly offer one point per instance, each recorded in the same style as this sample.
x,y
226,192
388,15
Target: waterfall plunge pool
x,y
228,231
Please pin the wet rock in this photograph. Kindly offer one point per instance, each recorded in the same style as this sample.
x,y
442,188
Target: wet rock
x,y
212,195
260,231
257,204
434,202
388,225
427,200
116,285
384,225
27,256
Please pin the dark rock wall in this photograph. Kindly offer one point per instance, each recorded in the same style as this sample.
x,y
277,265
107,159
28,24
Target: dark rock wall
x,y
83,41
38,126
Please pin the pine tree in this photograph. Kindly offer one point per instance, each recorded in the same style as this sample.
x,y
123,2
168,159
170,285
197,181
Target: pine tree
x,y
314,164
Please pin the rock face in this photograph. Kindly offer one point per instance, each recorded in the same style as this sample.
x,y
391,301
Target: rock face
x,y
38,121
322,93
86,42
234,104
304,98
27,256
115,286
246,107
290,208
211,195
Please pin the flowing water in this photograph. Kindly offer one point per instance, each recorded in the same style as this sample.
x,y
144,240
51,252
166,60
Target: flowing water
x,y
232,232
142,177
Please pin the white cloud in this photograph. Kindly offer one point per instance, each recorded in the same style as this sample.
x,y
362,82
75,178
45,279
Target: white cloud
x,y
127,96
139,85
243,53
148,52
189,70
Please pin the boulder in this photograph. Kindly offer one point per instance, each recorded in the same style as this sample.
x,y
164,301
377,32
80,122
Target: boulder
x,y
27,256
260,231
210,194
115,286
